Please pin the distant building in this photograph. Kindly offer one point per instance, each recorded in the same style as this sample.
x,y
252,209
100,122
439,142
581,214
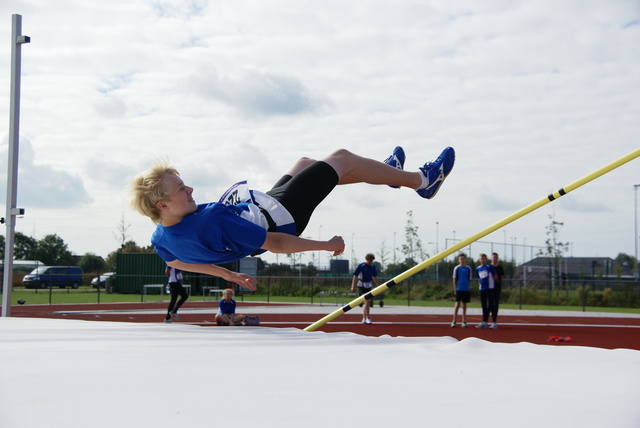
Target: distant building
x,y
541,270
23,265
339,266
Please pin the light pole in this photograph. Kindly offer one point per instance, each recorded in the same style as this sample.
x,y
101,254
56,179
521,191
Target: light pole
x,y
394,248
319,239
437,251
635,233
505,241
353,253
17,39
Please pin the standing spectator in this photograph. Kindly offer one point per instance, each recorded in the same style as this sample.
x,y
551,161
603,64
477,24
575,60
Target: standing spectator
x,y
461,289
487,276
497,287
176,289
364,275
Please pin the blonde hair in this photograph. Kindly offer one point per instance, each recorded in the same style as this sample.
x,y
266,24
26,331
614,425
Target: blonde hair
x,y
227,291
149,188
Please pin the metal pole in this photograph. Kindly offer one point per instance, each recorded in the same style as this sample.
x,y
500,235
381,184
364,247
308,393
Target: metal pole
x,y
319,239
524,211
437,251
635,234
17,39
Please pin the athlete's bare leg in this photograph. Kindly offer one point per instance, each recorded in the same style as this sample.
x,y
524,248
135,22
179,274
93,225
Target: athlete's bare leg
x,y
352,168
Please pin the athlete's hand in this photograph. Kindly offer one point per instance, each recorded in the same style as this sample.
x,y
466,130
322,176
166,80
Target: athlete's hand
x,y
245,280
337,245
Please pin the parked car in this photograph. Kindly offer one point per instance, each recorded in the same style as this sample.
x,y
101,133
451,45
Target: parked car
x,y
100,281
53,276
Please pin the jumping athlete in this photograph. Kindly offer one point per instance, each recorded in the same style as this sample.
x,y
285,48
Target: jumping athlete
x,y
246,222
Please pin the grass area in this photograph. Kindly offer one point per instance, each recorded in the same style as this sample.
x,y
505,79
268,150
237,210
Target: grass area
x,y
81,295
90,295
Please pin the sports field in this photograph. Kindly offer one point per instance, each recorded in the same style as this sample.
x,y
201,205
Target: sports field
x,y
563,328
67,372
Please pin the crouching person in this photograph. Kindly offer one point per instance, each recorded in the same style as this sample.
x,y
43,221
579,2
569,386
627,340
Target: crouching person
x,y
227,312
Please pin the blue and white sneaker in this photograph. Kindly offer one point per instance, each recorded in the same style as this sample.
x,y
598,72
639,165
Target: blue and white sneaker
x,y
396,160
435,172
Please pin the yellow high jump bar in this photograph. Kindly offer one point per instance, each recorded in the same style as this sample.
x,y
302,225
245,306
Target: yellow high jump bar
x,y
524,211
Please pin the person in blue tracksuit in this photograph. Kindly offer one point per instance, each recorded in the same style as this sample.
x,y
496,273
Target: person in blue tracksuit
x,y
462,275
364,276
486,277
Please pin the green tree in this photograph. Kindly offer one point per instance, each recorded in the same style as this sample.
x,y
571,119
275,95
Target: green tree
x,y
2,241
132,247
383,256
412,248
121,235
91,263
625,260
554,250
24,247
52,250
127,247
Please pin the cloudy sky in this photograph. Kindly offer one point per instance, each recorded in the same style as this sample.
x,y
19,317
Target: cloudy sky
x,y
532,95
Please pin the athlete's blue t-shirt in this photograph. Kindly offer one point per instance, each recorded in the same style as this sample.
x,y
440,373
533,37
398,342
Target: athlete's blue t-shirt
x,y
365,273
225,231
463,275
214,234
227,308
485,275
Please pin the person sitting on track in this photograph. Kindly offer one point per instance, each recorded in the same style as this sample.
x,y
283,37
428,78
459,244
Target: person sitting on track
x,y
227,310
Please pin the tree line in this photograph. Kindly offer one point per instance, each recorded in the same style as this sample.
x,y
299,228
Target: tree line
x,y
51,250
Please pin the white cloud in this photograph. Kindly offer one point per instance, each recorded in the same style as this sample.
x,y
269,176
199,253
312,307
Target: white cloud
x,y
533,95
41,185
257,94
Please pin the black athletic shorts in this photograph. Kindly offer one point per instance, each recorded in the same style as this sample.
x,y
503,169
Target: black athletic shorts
x,y
463,296
301,194
363,290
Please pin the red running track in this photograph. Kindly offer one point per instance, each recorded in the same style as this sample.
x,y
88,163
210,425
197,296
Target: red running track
x,y
601,332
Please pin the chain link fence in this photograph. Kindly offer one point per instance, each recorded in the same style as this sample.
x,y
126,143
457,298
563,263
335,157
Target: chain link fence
x,y
588,293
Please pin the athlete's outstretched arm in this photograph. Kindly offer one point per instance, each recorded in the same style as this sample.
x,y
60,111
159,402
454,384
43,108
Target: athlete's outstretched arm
x,y
283,243
241,279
